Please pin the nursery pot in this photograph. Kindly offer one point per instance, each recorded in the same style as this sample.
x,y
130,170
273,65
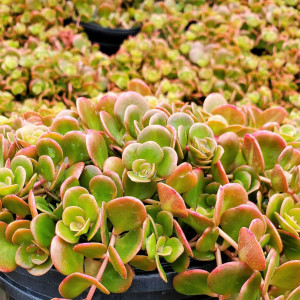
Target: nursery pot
x,y
20,285
109,39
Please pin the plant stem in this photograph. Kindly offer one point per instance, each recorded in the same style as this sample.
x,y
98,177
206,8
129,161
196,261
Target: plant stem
x,y
102,268
265,179
226,237
192,244
195,237
39,183
218,257
52,196
37,192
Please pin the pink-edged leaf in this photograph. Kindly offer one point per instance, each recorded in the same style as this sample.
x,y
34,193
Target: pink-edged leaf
x,y
272,114
42,269
250,250
143,262
287,276
271,145
96,148
182,178
171,200
126,213
253,153
291,245
117,262
212,101
250,289
208,240
88,114
7,251
114,282
51,148
67,184
129,244
139,86
198,221
231,113
65,260
14,226
16,205
76,283
160,269
295,294
278,179
275,240
257,227
219,174
228,278
230,195
192,282
182,238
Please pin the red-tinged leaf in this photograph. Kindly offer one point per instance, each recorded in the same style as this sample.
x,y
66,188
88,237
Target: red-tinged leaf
x,y
67,184
182,238
7,251
287,276
43,229
275,240
139,86
253,154
64,124
143,263
88,114
250,289
96,148
250,250
257,227
294,295
114,282
212,101
74,147
278,179
14,226
29,185
271,145
171,200
272,263
16,205
198,221
114,164
237,217
192,282
74,170
58,177
219,174
208,240
291,245
76,283
129,244
272,114
229,196
111,128
65,260
182,178
181,263
116,262
231,113
165,219
103,188
160,269
126,99
31,203
51,148
228,278
126,213
42,269
22,236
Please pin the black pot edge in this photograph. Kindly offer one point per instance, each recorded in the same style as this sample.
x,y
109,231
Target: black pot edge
x,y
106,30
143,286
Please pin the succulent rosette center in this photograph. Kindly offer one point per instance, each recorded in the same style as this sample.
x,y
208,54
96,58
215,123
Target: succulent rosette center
x,y
149,161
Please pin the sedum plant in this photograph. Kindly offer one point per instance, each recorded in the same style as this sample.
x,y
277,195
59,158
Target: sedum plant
x,y
130,182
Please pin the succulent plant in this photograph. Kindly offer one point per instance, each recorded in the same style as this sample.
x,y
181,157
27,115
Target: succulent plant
x,y
128,182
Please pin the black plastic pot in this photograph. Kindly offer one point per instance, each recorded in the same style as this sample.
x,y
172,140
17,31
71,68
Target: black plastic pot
x,y
108,39
20,285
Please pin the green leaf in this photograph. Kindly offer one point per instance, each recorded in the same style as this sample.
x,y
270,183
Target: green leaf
x,y
192,282
76,283
65,260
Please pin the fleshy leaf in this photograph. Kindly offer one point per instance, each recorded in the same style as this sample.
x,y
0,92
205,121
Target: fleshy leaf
x,y
250,289
65,260
250,250
103,189
192,282
228,278
171,200
76,283
88,114
117,262
126,213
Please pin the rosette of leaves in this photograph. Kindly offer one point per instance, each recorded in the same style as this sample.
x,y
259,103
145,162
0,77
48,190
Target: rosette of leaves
x,y
85,213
